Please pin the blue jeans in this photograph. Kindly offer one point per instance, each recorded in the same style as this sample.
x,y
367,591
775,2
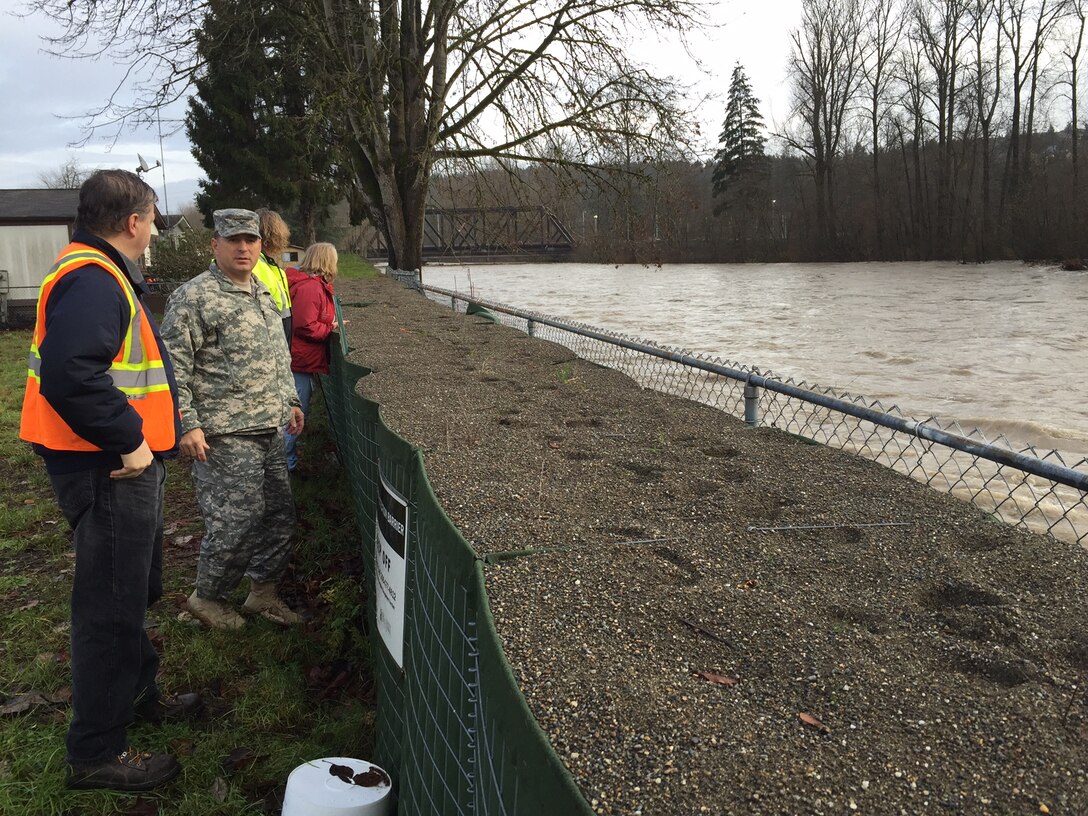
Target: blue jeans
x,y
117,525
304,385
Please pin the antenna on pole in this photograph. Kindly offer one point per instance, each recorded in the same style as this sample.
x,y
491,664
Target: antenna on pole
x,y
162,163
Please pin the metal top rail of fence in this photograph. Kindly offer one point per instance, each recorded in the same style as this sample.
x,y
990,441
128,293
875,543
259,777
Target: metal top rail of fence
x,y
1045,491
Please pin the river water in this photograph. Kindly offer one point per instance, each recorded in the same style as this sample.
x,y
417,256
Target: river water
x,y
999,346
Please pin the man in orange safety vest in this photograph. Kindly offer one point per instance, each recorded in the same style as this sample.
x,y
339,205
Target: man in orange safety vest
x,y
101,410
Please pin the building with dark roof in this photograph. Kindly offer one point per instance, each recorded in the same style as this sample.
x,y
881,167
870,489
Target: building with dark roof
x,y
35,224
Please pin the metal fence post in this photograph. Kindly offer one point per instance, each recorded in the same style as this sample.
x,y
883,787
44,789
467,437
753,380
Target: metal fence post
x,y
530,328
453,303
751,404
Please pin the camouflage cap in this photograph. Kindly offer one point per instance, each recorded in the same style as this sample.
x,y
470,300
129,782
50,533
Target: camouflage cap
x,y
236,222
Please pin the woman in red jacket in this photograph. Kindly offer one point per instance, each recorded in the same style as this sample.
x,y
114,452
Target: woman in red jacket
x,y
313,317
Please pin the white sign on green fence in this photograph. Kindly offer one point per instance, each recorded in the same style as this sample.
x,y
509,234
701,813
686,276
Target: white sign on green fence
x,y
390,546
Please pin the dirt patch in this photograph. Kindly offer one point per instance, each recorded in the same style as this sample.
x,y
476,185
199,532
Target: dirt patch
x,y
938,657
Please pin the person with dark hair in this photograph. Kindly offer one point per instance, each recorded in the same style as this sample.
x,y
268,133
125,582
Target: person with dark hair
x,y
101,410
236,395
275,235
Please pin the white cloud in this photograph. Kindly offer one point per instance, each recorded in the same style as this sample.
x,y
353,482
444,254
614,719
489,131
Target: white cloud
x,y
45,98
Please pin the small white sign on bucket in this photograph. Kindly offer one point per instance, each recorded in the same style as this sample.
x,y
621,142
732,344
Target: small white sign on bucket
x,y
390,546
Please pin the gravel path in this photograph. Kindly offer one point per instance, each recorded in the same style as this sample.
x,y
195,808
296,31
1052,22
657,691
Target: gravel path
x,y
685,663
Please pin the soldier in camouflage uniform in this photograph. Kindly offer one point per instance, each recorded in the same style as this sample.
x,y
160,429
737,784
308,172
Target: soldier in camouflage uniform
x,y
235,394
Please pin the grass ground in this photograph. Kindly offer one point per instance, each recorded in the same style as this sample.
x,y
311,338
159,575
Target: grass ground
x,y
275,698
355,267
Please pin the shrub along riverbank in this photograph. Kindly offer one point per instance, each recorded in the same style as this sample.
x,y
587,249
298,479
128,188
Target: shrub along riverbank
x,y
274,698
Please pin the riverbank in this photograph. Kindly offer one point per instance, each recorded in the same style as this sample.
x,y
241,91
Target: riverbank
x,y
722,620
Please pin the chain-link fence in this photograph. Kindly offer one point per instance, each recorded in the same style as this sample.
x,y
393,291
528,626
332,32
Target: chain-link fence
x,y
1043,490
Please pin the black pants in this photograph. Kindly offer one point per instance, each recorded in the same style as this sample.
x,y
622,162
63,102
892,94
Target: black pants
x,y
118,575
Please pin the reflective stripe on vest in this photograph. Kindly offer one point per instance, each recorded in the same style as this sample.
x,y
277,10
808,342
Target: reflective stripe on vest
x,y
138,370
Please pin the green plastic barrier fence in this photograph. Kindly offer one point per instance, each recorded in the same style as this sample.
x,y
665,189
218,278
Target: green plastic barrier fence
x,y
453,729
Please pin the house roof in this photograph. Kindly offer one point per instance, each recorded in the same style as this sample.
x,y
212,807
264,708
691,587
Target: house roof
x,y
38,205
172,221
47,206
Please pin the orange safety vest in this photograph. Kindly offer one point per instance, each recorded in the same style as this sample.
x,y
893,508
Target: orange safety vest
x,y
137,371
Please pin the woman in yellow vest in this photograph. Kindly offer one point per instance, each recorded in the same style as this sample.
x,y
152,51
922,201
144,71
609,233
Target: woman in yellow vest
x,y
275,237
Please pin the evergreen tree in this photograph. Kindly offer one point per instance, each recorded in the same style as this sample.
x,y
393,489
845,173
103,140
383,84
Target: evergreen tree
x,y
740,165
253,121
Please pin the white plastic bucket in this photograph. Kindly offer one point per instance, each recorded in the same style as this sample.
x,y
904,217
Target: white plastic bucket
x,y
313,790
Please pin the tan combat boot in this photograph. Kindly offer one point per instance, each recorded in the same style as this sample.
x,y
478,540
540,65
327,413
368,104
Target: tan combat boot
x,y
264,600
215,614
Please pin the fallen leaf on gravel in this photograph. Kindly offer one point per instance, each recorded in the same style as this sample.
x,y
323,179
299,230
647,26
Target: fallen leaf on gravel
x,y
718,679
811,721
554,445
751,583
173,528
219,789
27,605
181,541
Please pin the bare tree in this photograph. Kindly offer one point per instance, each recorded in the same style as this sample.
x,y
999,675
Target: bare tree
x,y
916,84
939,28
1072,52
416,82
1026,25
1048,14
883,29
825,67
69,176
987,68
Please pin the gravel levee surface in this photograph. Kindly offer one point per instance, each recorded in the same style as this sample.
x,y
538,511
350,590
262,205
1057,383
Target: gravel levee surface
x,y
673,654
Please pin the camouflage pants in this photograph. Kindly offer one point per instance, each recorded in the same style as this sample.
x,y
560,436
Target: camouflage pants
x,y
244,494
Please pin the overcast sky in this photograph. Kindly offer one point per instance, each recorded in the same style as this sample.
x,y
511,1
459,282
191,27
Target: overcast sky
x,y
45,96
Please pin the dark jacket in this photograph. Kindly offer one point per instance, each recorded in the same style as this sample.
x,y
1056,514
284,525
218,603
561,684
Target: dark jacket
x,y
312,315
86,321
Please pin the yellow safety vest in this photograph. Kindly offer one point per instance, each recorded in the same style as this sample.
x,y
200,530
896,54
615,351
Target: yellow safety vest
x,y
269,273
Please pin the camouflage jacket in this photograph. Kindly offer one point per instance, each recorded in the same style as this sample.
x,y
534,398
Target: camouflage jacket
x,y
233,368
